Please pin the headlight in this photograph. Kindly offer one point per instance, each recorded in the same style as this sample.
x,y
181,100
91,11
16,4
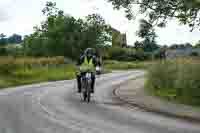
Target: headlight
x,y
97,68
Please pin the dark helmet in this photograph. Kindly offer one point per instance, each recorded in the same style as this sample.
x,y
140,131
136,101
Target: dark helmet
x,y
89,52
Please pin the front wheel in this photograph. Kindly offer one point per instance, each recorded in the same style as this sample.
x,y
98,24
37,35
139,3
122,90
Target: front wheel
x,y
84,92
88,96
84,96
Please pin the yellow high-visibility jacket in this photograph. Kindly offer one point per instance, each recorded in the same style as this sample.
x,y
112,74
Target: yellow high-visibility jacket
x,y
87,65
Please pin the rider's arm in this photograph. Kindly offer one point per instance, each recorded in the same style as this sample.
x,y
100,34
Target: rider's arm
x,y
80,61
95,62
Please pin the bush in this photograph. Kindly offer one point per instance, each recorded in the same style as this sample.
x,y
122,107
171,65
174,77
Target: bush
x,y
127,54
3,52
7,65
176,80
115,52
194,54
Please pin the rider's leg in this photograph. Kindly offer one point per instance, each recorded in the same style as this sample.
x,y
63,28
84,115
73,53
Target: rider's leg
x,y
78,77
93,83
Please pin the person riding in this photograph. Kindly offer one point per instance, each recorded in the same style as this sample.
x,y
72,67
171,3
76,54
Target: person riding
x,y
87,63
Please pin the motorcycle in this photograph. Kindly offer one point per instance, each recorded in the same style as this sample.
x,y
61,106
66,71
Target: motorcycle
x,y
86,86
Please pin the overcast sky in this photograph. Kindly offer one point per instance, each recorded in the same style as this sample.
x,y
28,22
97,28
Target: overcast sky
x,y
19,16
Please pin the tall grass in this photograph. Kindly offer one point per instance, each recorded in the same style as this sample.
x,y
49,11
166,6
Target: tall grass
x,y
9,64
20,71
177,80
31,60
21,76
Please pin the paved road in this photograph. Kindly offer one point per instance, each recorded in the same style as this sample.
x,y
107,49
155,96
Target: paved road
x,y
56,108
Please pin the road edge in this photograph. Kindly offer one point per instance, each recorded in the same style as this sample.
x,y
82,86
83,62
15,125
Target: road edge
x,y
151,109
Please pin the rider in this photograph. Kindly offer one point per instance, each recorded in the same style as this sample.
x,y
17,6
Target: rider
x,y
87,62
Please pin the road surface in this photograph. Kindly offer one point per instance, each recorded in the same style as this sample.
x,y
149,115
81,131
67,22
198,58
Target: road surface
x,y
56,108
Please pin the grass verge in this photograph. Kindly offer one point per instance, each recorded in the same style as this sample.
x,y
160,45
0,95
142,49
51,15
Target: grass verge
x,y
23,76
175,80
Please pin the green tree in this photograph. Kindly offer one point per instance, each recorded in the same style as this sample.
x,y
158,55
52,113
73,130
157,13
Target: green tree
x,y
3,40
147,32
2,36
138,45
186,11
15,39
97,31
63,35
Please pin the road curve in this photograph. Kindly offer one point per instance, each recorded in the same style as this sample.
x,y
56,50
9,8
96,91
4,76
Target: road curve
x,y
56,108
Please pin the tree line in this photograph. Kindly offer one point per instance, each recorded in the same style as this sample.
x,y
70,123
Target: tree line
x,y
13,39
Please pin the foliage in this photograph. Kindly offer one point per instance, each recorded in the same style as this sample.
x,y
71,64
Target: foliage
x,y
121,54
126,54
63,35
147,32
197,45
194,54
176,80
146,29
3,40
149,45
15,50
115,52
186,11
3,51
14,39
138,45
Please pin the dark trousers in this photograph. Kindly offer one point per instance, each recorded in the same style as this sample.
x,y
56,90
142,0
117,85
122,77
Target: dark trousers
x,y
78,77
